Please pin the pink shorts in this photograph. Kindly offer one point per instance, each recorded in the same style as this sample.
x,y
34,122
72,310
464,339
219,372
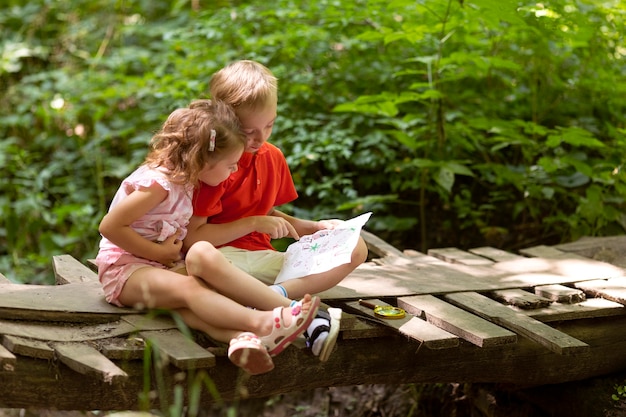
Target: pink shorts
x,y
113,276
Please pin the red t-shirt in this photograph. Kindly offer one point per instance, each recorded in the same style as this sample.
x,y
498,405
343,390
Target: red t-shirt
x,y
262,182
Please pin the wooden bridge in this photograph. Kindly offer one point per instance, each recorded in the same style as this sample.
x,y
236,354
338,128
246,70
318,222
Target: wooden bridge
x,y
545,316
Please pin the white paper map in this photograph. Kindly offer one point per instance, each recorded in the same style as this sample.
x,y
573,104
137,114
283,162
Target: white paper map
x,y
323,250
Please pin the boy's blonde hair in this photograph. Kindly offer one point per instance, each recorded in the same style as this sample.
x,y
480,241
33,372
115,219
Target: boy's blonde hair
x,y
246,84
192,137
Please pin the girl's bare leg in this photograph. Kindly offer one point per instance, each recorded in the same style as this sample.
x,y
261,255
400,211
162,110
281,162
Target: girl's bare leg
x,y
209,311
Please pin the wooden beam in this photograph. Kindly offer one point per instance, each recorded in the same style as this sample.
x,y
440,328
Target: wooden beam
x,y
588,309
560,293
7,359
520,298
86,360
411,326
496,255
181,351
535,330
28,347
68,270
388,360
456,321
458,256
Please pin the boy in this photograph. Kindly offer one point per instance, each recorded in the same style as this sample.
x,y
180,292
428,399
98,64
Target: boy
x,y
239,215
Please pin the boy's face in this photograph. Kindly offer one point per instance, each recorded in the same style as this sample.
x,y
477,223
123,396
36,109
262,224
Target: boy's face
x,y
257,125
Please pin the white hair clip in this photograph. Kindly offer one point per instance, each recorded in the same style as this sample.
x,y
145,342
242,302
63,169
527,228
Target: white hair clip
x,y
212,141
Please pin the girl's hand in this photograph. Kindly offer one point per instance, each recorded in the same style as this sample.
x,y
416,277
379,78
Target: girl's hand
x,y
170,250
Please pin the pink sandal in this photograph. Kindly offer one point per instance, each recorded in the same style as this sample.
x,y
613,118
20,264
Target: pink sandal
x,y
248,352
282,335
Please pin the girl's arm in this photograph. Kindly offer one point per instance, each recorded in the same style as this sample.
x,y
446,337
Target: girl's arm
x,y
115,226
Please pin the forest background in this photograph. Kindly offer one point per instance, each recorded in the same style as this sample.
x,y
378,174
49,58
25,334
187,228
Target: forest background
x,y
456,122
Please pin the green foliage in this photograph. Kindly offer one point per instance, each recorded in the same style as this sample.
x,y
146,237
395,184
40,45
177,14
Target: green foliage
x,y
456,122
620,393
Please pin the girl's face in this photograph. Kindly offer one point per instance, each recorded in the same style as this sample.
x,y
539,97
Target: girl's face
x,y
215,173
257,126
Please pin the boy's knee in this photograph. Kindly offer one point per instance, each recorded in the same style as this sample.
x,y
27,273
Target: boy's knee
x,y
359,255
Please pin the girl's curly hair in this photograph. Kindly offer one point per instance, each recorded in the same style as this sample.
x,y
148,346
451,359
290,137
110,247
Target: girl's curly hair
x,y
183,144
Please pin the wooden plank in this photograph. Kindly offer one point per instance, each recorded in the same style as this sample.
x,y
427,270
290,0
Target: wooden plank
x,y
496,255
411,326
457,321
535,330
67,270
4,280
86,360
417,277
58,303
379,246
62,333
149,321
7,359
611,289
361,329
520,298
28,347
123,349
587,309
181,351
458,256
560,293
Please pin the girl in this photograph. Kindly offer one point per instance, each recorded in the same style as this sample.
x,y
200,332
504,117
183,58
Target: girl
x,y
140,263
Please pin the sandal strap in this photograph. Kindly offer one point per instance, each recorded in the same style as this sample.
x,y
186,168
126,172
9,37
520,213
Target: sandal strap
x,y
321,314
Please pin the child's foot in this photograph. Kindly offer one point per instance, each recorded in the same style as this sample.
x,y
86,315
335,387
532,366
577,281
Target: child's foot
x,y
290,322
321,335
247,352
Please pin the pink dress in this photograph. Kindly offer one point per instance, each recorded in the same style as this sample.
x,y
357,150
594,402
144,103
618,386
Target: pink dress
x,y
115,265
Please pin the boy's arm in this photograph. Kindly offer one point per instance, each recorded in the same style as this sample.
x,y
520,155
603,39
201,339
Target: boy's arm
x,y
302,227
221,234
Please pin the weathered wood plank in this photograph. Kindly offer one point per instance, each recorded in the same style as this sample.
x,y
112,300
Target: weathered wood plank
x,y
611,289
123,349
496,255
7,359
4,280
379,246
378,281
413,327
611,249
62,333
360,329
181,351
58,303
520,298
560,293
457,321
67,270
535,330
587,309
86,360
458,256
150,321
58,332
28,347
